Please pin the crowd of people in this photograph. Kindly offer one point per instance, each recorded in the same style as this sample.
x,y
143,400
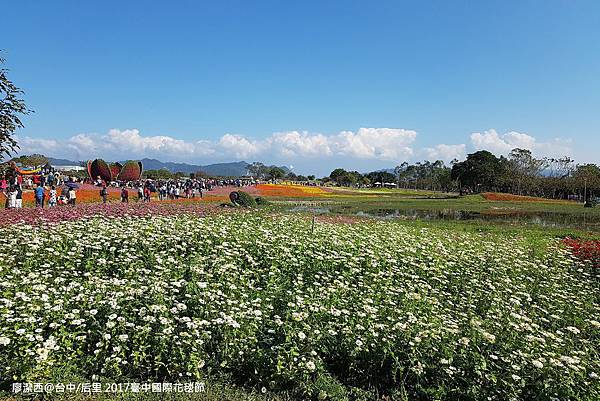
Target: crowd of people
x,y
171,189
44,186
51,188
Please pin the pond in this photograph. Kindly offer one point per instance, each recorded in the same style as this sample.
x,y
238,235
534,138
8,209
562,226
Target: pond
x,y
589,221
543,219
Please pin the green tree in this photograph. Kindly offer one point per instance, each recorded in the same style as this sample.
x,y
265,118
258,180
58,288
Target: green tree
x,y
11,108
480,171
523,169
587,180
161,174
336,175
258,170
380,176
276,173
35,160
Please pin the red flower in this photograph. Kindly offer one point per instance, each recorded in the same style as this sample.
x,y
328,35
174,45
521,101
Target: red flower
x,y
587,251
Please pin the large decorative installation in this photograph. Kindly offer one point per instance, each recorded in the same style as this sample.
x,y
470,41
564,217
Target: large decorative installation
x,y
130,171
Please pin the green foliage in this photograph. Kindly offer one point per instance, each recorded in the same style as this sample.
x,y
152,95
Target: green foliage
x,y
262,201
12,107
480,171
35,160
276,173
345,178
162,174
245,200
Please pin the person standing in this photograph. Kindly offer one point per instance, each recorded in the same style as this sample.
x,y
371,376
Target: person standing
x,y
72,196
39,196
140,193
52,197
147,194
104,193
11,197
19,196
124,195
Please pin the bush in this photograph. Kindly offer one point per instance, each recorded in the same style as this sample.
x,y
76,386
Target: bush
x,y
262,201
245,200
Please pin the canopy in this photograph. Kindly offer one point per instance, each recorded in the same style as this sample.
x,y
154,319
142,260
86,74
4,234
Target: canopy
x,y
72,184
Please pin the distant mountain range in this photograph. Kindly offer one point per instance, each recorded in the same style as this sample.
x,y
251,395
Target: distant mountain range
x,y
232,169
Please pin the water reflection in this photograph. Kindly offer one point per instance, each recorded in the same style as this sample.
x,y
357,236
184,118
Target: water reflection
x,y
544,219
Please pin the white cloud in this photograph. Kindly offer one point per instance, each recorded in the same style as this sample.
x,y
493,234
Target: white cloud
x,y
238,146
364,149
503,144
294,143
376,143
367,143
446,152
35,145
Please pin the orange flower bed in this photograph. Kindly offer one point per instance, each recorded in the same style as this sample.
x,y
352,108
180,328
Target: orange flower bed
x,y
290,191
83,196
501,197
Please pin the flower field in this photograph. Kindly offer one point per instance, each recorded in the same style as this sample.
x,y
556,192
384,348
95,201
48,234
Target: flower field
x,y
503,197
290,191
337,311
54,215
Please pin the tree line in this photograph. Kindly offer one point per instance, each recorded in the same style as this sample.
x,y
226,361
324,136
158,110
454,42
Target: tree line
x,y
519,173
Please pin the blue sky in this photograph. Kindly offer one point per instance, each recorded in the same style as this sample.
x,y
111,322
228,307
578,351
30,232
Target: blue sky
x,y
317,85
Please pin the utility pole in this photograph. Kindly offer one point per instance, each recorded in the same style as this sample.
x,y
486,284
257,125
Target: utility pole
x,y
584,191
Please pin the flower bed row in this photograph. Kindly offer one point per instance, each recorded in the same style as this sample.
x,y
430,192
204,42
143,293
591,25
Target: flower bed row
x,y
290,191
35,216
502,197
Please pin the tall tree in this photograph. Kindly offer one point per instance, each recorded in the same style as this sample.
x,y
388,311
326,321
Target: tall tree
x,y
11,108
276,173
399,171
523,168
480,171
587,179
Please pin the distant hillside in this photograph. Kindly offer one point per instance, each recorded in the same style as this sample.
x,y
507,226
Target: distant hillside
x,y
62,162
231,169
221,169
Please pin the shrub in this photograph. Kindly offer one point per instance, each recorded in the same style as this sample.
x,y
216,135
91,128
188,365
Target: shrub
x,y
262,201
245,200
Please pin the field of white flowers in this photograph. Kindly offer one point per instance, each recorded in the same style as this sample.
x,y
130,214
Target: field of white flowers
x,y
267,301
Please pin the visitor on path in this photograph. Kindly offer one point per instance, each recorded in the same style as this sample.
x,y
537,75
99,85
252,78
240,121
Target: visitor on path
x,y
39,196
52,197
124,195
11,198
140,193
147,194
104,193
72,196
19,201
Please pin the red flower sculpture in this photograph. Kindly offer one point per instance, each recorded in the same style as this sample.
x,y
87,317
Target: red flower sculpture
x,y
130,171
